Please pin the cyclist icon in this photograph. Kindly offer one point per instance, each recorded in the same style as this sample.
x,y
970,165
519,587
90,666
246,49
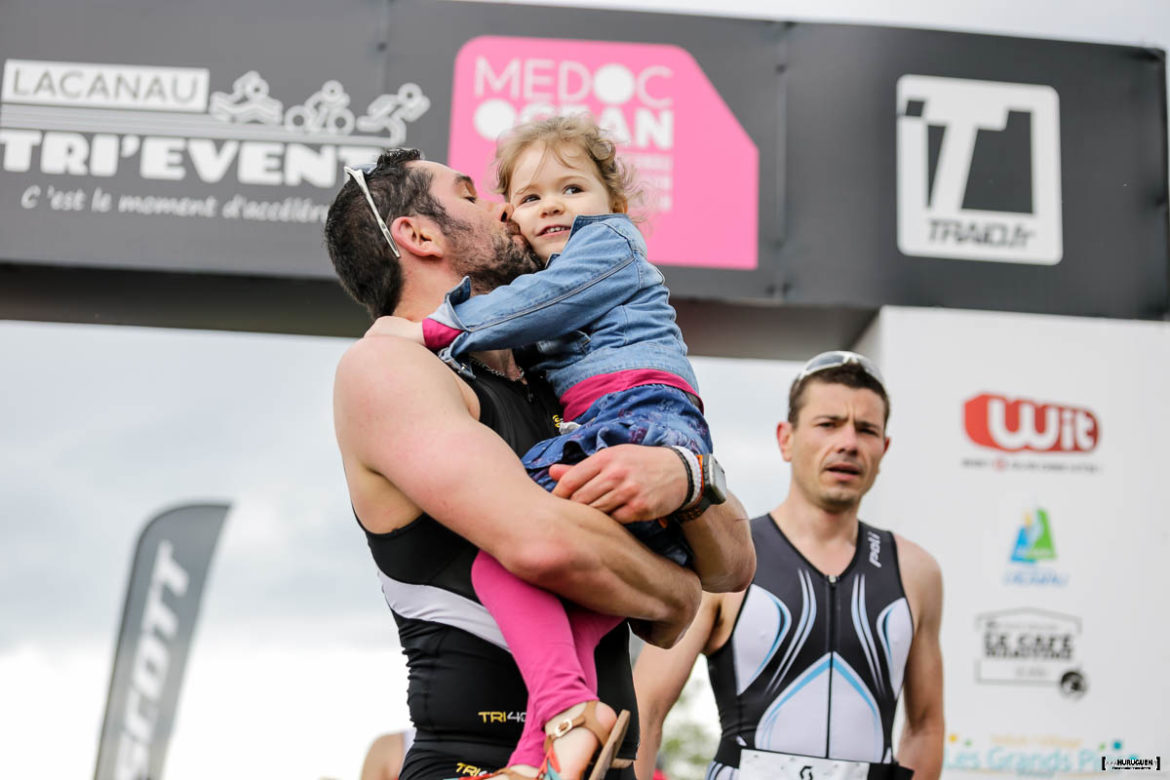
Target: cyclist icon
x,y
324,112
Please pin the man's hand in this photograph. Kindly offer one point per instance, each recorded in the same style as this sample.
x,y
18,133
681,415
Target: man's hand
x,y
397,326
631,482
628,482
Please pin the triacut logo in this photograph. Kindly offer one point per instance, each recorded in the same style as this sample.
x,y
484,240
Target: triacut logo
x,y
978,170
1022,425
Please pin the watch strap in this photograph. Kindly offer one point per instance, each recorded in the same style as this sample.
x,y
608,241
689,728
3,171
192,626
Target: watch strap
x,y
694,469
686,515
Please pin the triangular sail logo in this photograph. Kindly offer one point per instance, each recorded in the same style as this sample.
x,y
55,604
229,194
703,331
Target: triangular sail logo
x,y
1034,541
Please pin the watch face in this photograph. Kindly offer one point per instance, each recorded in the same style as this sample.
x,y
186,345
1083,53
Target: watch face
x,y
716,482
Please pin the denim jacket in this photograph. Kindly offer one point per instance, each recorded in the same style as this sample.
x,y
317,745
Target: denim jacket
x,y
597,308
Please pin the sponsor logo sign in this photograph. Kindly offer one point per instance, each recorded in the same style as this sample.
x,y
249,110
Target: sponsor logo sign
x,y
1014,426
657,104
1018,425
1034,553
766,765
167,578
1131,764
978,170
1030,646
875,548
1032,755
92,122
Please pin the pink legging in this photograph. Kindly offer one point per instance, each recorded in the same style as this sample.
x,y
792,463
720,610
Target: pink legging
x,y
553,644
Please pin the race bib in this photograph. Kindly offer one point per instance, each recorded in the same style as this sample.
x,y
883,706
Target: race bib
x,y
762,765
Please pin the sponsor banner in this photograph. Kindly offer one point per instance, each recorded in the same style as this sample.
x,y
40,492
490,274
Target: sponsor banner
x,y
1131,764
243,133
158,621
162,148
1040,755
1034,560
1030,647
79,84
1026,435
225,158
695,103
932,168
1024,459
784,163
1015,425
982,123
171,142
654,100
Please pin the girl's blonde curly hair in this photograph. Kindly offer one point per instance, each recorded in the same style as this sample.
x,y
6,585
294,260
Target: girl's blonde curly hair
x,y
557,133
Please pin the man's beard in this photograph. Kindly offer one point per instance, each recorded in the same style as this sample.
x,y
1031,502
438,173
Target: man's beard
x,y
490,261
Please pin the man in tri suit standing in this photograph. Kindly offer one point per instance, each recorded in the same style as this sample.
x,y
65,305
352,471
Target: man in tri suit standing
x,y
430,460
807,664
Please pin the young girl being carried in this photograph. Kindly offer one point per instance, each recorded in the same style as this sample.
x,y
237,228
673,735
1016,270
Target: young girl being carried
x,y
603,333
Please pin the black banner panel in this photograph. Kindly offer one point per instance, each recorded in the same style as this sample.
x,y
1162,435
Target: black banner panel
x,y
806,164
945,169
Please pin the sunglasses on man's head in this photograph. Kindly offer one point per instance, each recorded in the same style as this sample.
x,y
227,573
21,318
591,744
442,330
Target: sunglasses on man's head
x,y
359,176
836,359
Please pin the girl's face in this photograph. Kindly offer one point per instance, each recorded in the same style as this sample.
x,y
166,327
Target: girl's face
x,y
547,193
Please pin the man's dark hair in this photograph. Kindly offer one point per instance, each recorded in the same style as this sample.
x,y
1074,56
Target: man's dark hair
x,y
849,374
368,270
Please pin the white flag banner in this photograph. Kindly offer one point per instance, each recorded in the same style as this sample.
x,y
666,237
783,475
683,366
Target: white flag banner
x,y
162,606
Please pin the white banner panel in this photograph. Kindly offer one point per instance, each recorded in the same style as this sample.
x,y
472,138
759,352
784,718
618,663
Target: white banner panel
x,y
1028,457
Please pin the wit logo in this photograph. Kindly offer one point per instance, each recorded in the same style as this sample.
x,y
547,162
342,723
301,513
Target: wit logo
x,y
1015,425
979,170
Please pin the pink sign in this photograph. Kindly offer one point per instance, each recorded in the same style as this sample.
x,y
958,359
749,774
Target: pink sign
x,y
696,165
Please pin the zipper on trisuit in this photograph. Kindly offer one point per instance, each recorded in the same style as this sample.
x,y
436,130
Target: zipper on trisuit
x,y
832,647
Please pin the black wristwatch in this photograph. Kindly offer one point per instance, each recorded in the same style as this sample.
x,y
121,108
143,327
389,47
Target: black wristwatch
x,y
714,489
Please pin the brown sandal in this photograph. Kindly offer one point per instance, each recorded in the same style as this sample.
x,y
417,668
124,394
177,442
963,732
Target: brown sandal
x,y
609,739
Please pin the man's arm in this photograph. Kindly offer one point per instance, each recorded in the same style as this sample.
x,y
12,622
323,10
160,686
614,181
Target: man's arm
x,y
921,746
659,678
615,481
409,441
725,558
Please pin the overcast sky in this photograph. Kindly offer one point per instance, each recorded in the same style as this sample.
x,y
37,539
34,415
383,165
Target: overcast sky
x,y
296,652
104,427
